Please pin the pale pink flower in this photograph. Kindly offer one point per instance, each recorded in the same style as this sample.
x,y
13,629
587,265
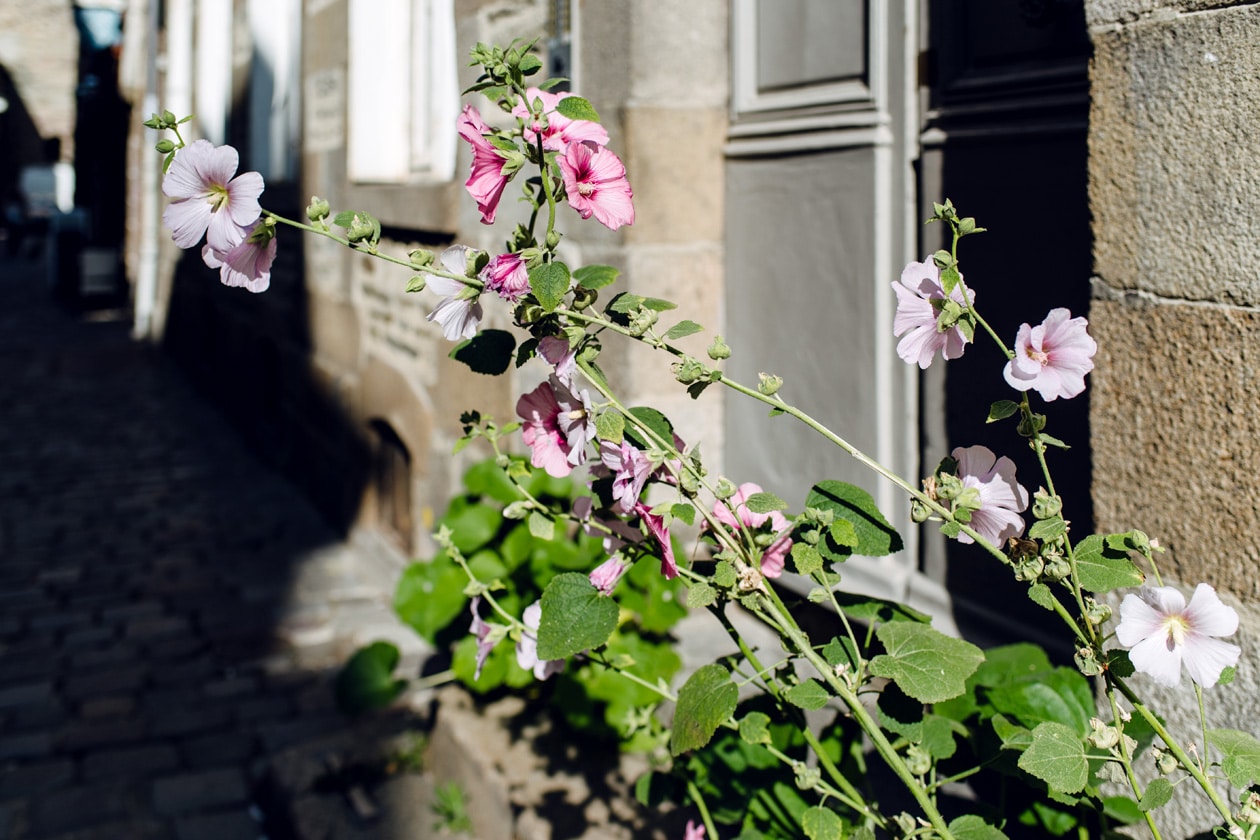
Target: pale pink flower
x,y
527,647
557,426
482,632
615,531
774,557
562,357
919,298
459,312
247,264
631,470
1001,497
606,574
486,181
207,199
1163,633
558,130
595,183
694,832
506,276
656,527
1053,357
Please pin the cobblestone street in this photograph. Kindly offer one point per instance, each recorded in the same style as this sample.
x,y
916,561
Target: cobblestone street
x,y
171,614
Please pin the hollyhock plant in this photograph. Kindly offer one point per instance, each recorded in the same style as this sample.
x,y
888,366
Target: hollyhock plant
x,y
556,130
562,357
207,200
775,555
486,181
920,297
459,312
1163,633
693,831
606,574
595,184
630,469
486,638
557,426
506,276
527,647
1052,357
248,264
656,527
1001,498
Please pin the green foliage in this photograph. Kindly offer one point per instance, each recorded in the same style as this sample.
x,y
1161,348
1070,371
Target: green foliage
x,y
927,665
596,276
1104,566
1057,757
1240,751
575,617
489,352
683,329
875,537
972,827
550,283
705,701
367,680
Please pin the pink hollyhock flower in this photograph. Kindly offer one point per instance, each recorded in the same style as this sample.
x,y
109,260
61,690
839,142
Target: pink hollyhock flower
x,y
656,527
1053,358
630,469
605,576
557,426
527,647
482,631
207,200
919,299
774,557
247,264
563,358
595,183
693,832
486,181
506,276
1163,633
1001,498
459,312
557,130
616,532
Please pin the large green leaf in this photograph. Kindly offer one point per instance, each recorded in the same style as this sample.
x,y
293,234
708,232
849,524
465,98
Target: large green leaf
x,y
487,478
809,694
577,108
1102,568
550,283
430,595
658,423
1158,793
1057,757
472,524
367,680
596,276
875,536
1061,694
575,617
705,701
821,823
926,664
1240,755
489,352
971,827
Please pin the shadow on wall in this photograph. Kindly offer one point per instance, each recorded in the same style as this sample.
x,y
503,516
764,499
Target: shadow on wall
x,y
21,147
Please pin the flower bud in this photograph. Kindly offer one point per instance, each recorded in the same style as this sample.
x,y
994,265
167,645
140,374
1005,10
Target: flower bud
x,y
318,209
1165,761
1057,567
359,229
724,489
1250,811
768,384
948,487
718,350
919,512
918,760
1096,613
552,240
688,370
1087,662
1044,505
584,297
421,257
165,146
1102,735
1030,569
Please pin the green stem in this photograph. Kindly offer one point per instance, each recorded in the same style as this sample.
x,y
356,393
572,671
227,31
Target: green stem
x,y
1127,762
698,800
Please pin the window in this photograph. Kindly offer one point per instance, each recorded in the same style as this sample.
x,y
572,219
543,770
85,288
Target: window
x,y
404,96
391,479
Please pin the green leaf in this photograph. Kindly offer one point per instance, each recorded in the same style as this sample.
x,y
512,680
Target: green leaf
x,y
843,533
1041,596
624,303
1047,529
806,558
344,218
472,524
654,420
530,64
841,651
875,537
596,276
1001,409
683,329
550,283
1102,568
1240,755
700,595
705,701
1158,792
367,680
541,526
577,108
809,694
971,827
657,304
821,823
684,511
575,617
488,352
1227,675
1057,757
927,665
950,278
486,478
610,425
753,728
764,503
430,596
1011,663
869,608
1122,809
1061,695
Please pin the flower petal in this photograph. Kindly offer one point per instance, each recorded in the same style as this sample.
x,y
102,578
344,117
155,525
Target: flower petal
x,y
1205,658
1155,657
1207,614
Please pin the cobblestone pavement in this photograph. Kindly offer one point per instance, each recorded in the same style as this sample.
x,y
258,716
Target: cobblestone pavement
x,y
170,612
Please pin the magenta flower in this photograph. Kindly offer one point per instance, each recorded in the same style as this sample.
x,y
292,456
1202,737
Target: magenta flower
x,y
1001,498
207,200
656,527
1053,358
919,300
506,276
774,557
247,264
557,426
486,639
595,183
527,647
605,576
562,357
693,832
631,470
1163,633
557,130
486,181
459,312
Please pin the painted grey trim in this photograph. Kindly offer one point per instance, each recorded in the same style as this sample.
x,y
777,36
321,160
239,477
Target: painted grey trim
x,y
812,142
